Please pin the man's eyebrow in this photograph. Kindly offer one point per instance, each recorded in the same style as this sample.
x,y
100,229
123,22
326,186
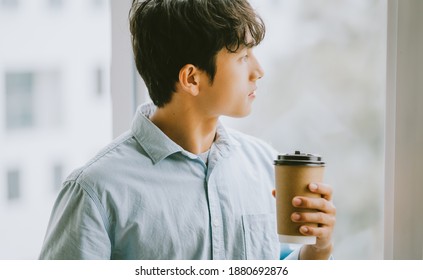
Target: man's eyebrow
x,y
240,47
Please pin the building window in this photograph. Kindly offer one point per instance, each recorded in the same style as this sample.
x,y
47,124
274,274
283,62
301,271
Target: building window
x,y
55,3
19,100
99,79
98,3
9,3
13,185
33,98
57,176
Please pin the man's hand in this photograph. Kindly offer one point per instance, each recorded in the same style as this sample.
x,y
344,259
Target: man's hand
x,y
324,218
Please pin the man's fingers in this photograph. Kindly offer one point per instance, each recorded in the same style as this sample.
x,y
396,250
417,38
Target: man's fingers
x,y
324,189
314,217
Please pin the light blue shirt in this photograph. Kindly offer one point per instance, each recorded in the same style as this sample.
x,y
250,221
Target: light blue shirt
x,y
144,197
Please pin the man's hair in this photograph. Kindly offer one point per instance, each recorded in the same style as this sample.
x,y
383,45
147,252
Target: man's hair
x,y
168,34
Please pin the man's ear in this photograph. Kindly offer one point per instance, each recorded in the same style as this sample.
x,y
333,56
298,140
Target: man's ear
x,y
189,79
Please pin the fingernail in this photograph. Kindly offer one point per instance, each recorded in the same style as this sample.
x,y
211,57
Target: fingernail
x,y
304,229
296,201
296,217
313,187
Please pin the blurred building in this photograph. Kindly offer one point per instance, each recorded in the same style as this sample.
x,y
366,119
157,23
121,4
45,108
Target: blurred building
x,y
55,110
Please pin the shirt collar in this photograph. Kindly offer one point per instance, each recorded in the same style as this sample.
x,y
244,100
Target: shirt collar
x,y
155,143
158,145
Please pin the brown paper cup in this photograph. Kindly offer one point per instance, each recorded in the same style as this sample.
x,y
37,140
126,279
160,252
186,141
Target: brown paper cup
x,y
293,174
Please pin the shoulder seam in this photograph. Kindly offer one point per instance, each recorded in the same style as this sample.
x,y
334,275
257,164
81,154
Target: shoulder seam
x,y
99,156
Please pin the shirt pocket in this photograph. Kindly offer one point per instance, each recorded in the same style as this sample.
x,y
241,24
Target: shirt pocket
x,y
261,241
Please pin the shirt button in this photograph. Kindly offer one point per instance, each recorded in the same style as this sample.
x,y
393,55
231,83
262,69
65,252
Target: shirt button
x,y
216,223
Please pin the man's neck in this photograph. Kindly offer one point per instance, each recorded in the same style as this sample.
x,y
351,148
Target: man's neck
x,y
188,128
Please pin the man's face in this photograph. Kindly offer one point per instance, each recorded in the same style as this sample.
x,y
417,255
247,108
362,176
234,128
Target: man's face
x,y
233,89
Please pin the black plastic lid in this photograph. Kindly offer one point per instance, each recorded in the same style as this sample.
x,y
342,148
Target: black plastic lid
x,y
299,158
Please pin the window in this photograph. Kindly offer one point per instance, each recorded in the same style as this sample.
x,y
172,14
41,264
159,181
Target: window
x,y
99,81
33,98
13,185
19,100
55,3
57,176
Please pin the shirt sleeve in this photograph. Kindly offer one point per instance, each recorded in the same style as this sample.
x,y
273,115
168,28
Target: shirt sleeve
x,y
77,228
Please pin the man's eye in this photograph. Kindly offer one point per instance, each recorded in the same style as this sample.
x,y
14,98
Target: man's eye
x,y
245,57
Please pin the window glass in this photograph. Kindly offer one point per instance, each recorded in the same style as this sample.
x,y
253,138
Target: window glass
x,y
55,109
323,92
13,185
99,81
55,3
33,99
57,176
19,100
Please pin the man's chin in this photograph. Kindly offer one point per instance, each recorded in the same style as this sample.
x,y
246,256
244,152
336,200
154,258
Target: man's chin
x,y
242,114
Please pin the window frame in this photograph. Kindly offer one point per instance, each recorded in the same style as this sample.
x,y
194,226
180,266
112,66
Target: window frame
x,y
404,135
14,184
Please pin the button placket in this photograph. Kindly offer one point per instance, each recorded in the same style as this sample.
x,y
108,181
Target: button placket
x,y
215,224
216,220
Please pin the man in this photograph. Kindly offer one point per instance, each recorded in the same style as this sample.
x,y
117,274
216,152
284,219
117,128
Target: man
x,y
179,185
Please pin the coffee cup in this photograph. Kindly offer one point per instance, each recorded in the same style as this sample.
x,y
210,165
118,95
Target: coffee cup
x,y
293,173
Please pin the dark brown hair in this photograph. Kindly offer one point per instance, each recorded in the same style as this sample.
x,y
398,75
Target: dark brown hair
x,y
168,34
